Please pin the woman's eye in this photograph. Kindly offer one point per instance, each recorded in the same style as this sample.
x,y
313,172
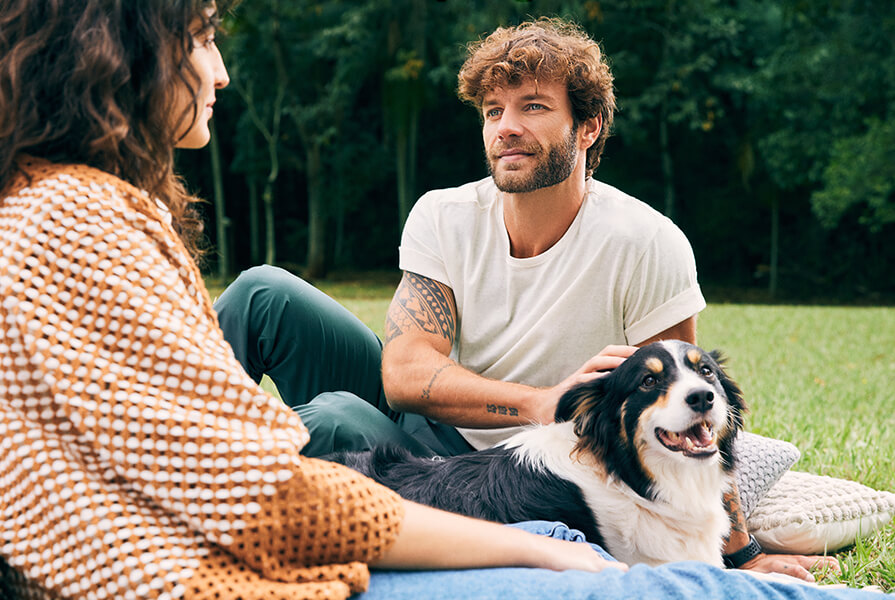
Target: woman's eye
x,y
203,39
649,381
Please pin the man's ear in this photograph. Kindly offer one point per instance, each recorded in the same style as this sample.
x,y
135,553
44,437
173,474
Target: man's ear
x,y
589,130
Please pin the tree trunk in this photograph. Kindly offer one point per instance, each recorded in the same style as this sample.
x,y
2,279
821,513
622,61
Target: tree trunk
x,y
221,221
405,157
254,221
316,267
667,164
270,252
408,120
775,244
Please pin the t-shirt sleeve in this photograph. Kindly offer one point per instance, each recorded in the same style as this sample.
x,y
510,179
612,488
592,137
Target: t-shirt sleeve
x,y
663,290
121,336
420,251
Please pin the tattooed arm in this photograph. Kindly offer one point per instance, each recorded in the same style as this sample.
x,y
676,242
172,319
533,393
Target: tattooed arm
x,y
788,564
418,375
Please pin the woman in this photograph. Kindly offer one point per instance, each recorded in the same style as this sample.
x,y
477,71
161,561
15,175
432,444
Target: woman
x,y
137,459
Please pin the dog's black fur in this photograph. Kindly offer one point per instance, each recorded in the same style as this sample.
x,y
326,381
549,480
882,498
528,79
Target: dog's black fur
x,y
489,484
505,484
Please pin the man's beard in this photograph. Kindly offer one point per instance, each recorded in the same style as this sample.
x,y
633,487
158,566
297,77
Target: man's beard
x,y
555,168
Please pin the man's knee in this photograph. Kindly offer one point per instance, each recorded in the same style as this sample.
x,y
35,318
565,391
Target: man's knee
x,y
263,280
343,421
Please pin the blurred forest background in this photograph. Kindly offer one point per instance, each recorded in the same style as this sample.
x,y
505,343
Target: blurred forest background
x,y
764,128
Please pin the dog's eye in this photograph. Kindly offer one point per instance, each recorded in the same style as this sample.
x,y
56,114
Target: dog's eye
x,y
649,381
707,372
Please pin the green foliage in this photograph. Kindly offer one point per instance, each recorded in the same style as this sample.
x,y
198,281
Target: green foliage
x,y
860,173
348,108
669,56
827,93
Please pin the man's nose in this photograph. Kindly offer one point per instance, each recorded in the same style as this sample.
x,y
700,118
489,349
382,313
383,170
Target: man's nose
x,y
510,124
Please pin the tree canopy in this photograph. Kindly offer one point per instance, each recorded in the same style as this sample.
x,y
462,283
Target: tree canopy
x,y
765,129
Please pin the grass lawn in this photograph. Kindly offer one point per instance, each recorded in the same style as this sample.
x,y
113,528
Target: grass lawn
x,y
818,377
815,376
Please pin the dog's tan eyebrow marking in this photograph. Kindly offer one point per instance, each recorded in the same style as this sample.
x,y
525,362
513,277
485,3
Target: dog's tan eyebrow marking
x,y
654,365
694,356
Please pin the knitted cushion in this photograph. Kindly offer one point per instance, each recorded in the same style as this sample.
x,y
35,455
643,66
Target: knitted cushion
x,y
813,514
761,461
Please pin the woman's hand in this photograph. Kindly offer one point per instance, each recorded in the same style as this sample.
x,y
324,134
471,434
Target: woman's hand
x,y
435,539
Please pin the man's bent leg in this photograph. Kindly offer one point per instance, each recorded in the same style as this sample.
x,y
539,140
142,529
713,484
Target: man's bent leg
x,y
305,341
309,344
341,421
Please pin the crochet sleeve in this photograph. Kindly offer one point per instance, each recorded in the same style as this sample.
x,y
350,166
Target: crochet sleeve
x,y
126,363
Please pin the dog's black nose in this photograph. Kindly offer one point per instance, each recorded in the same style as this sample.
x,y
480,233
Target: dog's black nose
x,y
701,401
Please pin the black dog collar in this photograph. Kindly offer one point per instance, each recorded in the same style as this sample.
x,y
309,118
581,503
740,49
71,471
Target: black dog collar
x,y
737,559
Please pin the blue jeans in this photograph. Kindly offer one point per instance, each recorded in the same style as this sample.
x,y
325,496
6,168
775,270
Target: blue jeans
x,y
683,580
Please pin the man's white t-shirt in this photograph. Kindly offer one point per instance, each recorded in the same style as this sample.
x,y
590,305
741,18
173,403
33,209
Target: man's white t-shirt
x,y
620,274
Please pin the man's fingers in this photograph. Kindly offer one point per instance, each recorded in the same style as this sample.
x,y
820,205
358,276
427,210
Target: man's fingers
x,y
602,363
607,359
820,562
618,350
793,565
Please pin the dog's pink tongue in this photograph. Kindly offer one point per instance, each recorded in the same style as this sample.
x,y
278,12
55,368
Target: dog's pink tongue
x,y
700,434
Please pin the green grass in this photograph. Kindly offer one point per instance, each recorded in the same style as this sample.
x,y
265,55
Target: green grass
x,y
819,377
816,376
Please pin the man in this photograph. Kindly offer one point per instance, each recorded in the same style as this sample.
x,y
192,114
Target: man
x,y
515,287
527,274
513,282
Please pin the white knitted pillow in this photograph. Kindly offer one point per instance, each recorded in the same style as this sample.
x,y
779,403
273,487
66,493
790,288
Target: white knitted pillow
x,y
761,461
813,514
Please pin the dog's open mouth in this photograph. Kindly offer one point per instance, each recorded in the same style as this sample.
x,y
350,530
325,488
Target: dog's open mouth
x,y
698,442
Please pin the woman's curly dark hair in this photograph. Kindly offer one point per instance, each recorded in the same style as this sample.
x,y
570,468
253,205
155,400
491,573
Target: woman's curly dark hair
x,y
545,50
94,82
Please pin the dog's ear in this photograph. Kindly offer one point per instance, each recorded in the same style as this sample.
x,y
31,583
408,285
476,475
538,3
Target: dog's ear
x,y
577,399
596,417
731,389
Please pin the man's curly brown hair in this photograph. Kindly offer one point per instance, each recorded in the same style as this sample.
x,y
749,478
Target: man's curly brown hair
x,y
544,50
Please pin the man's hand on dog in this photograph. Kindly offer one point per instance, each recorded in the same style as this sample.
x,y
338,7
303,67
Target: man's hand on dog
x,y
792,564
597,366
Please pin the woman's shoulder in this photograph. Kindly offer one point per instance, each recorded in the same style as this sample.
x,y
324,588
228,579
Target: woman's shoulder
x,y
40,176
42,188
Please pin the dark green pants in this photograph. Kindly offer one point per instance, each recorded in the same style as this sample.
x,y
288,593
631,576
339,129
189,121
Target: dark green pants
x,y
325,363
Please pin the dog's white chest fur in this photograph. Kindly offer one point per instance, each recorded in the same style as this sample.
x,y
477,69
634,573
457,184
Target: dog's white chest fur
x,y
687,521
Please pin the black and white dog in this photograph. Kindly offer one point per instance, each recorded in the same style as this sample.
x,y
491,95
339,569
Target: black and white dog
x,y
638,460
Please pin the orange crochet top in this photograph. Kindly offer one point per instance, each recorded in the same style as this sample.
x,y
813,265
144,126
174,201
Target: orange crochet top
x,y
137,458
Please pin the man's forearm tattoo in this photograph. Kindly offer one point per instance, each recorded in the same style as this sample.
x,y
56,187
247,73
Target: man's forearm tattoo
x,y
424,303
497,409
735,513
427,393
